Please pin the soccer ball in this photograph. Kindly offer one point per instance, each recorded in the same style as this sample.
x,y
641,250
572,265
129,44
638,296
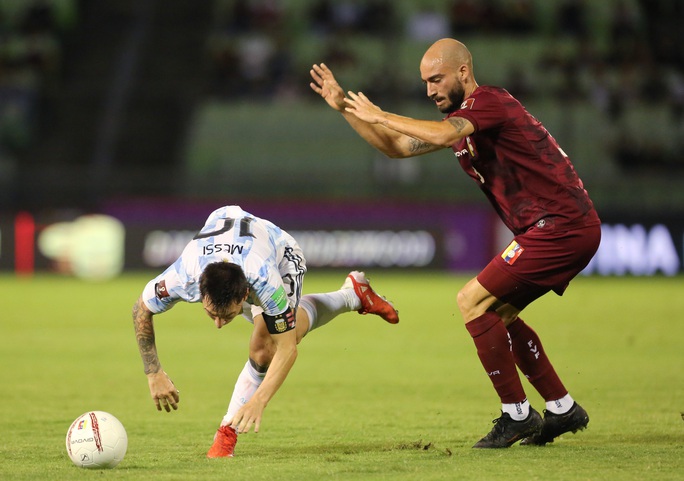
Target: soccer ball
x,y
96,439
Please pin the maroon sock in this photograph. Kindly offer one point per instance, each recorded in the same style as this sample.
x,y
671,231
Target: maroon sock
x,y
533,362
494,350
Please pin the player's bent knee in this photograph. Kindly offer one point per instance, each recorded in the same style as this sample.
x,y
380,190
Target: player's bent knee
x,y
261,355
465,305
473,300
260,363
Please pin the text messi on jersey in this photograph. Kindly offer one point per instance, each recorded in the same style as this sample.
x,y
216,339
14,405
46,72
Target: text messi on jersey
x,y
210,249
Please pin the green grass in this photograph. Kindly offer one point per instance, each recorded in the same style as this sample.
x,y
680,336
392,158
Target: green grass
x,y
365,400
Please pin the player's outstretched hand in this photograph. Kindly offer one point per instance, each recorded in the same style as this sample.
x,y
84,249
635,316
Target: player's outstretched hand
x,y
363,108
325,85
248,415
163,391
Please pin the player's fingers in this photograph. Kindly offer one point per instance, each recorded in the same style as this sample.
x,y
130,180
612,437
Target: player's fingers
x,y
176,396
318,72
234,422
245,425
239,426
163,403
364,100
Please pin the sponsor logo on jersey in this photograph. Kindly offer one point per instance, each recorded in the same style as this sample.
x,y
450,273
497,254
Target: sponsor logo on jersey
x,y
160,289
512,252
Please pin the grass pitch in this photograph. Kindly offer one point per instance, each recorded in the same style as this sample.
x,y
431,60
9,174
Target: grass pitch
x,y
365,400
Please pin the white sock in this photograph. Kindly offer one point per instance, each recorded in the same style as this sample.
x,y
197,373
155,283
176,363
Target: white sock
x,y
246,385
323,308
560,406
517,411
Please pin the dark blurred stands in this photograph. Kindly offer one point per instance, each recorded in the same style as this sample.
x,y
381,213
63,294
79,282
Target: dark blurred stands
x,y
168,97
115,110
606,78
31,35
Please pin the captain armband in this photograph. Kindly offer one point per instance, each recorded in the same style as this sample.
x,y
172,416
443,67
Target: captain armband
x,y
281,323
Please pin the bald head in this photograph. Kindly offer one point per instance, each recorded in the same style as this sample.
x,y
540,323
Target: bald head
x,y
447,71
449,53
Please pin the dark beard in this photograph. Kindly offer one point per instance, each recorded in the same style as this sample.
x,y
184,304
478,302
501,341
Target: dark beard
x,y
456,98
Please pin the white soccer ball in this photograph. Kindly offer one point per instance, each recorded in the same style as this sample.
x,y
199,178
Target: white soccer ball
x,y
96,439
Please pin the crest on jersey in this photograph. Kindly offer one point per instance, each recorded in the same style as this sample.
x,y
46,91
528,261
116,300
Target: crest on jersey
x,y
512,252
471,147
468,103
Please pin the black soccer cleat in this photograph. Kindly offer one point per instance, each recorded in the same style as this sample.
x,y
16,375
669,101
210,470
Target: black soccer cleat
x,y
576,419
506,431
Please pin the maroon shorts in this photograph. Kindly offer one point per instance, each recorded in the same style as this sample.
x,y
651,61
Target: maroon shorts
x,y
545,258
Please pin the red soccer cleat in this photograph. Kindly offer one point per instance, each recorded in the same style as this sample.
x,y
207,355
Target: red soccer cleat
x,y
224,443
371,302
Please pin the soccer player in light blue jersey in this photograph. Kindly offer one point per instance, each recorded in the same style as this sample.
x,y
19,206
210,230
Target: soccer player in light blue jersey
x,y
241,264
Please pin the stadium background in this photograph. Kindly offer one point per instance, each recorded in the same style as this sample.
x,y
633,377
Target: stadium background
x,y
154,112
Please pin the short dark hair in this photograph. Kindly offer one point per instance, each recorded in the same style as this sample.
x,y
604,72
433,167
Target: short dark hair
x,y
223,283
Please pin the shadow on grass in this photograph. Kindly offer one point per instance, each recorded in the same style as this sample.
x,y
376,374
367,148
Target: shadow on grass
x,y
346,449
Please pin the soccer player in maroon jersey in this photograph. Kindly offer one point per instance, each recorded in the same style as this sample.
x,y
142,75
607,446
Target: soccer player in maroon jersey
x,y
534,188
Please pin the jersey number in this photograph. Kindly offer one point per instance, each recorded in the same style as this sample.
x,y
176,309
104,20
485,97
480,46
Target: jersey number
x,y
228,224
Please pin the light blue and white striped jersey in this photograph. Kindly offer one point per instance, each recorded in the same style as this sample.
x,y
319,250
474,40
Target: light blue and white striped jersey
x,y
265,252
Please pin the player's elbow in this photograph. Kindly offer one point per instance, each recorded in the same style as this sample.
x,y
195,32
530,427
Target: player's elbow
x,y
289,353
447,139
447,143
402,150
292,352
395,154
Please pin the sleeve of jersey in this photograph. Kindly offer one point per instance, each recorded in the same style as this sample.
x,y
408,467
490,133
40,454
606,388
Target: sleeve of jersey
x,y
484,111
278,314
162,292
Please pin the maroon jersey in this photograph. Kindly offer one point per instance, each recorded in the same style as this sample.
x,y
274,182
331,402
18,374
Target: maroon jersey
x,y
519,165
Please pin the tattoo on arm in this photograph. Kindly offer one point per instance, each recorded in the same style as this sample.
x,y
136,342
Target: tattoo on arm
x,y
144,334
417,146
458,122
